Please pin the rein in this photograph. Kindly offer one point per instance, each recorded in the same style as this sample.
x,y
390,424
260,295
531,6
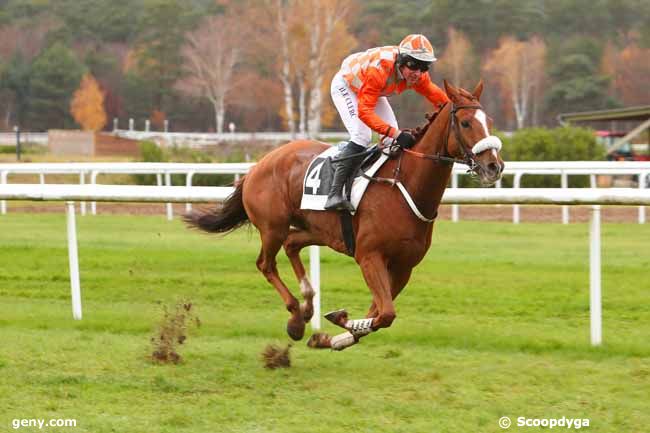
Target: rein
x,y
469,156
437,157
469,159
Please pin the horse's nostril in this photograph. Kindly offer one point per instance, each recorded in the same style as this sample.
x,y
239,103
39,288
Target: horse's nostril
x,y
493,167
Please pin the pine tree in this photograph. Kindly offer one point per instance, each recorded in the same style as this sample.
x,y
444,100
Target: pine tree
x,y
55,75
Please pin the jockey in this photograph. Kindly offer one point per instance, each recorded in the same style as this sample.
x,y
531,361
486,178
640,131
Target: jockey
x,y
360,90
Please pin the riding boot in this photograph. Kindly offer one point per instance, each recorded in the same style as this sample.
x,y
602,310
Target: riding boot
x,y
335,198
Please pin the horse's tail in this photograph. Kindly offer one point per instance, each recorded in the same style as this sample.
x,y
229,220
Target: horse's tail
x,y
224,219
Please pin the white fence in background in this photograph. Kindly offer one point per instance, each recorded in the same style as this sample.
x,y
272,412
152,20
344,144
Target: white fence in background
x,y
200,139
568,196
188,139
9,138
638,169
89,173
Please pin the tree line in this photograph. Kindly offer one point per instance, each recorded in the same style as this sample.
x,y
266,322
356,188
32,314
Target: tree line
x,y
266,64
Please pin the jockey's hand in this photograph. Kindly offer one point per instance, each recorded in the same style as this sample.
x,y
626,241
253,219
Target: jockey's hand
x,y
405,140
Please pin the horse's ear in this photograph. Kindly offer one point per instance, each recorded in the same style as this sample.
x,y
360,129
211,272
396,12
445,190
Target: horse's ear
x,y
452,92
478,89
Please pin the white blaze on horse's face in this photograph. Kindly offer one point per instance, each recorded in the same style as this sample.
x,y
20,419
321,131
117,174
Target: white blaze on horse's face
x,y
491,171
488,141
482,119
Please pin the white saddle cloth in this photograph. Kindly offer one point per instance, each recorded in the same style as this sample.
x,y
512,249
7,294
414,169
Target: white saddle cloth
x,y
318,179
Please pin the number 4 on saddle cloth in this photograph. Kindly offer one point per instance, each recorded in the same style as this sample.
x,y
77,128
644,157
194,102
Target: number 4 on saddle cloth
x,y
319,174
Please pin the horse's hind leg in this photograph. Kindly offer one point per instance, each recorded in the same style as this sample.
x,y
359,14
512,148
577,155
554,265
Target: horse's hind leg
x,y
272,240
296,241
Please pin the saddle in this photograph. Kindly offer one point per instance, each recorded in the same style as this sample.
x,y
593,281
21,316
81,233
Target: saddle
x,y
318,179
319,174
372,154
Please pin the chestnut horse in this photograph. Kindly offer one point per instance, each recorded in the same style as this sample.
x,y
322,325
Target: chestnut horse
x,y
390,238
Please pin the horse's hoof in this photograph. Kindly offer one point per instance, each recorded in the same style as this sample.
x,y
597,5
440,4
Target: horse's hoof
x,y
296,328
320,340
338,317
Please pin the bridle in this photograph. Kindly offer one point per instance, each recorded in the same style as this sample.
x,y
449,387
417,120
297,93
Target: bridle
x,y
469,158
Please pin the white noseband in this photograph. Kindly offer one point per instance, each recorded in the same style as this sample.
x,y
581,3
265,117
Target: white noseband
x,y
489,142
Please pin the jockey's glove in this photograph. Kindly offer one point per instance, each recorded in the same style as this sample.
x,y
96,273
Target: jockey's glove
x,y
405,140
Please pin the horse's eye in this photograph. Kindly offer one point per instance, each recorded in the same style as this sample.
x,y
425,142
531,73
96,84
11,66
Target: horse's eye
x,y
464,124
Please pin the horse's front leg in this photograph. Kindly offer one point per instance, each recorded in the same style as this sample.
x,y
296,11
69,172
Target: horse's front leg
x,y
379,281
400,276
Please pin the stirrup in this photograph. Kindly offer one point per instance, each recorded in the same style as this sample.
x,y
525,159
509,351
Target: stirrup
x,y
342,204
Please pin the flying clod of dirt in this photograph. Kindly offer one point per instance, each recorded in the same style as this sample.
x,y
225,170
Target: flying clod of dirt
x,y
172,332
276,357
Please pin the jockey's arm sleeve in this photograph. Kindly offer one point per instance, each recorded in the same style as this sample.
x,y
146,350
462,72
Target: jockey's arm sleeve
x,y
368,95
433,93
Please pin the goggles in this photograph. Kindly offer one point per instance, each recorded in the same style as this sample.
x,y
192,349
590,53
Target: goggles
x,y
414,65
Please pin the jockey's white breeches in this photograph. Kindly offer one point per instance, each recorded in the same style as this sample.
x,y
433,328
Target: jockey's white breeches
x,y
347,104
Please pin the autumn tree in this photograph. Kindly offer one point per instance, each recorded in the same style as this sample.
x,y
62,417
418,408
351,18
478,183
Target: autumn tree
x,y
629,69
211,53
457,61
314,39
158,119
518,68
87,106
245,109
282,14
325,21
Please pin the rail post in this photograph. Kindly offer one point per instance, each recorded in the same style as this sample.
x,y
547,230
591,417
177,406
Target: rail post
x,y
73,258
314,276
93,181
643,178
454,207
565,208
516,183
18,149
82,204
3,203
188,183
595,307
170,210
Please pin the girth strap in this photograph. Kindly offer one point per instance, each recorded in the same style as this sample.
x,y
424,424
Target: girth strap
x,y
347,231
412,204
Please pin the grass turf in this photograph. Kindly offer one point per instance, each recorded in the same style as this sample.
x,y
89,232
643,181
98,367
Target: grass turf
x,y
495,322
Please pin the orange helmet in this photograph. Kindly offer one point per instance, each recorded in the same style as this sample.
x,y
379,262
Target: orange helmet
x,y
417,47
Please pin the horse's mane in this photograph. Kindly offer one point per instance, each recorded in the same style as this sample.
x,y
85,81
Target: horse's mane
x,y
419,131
